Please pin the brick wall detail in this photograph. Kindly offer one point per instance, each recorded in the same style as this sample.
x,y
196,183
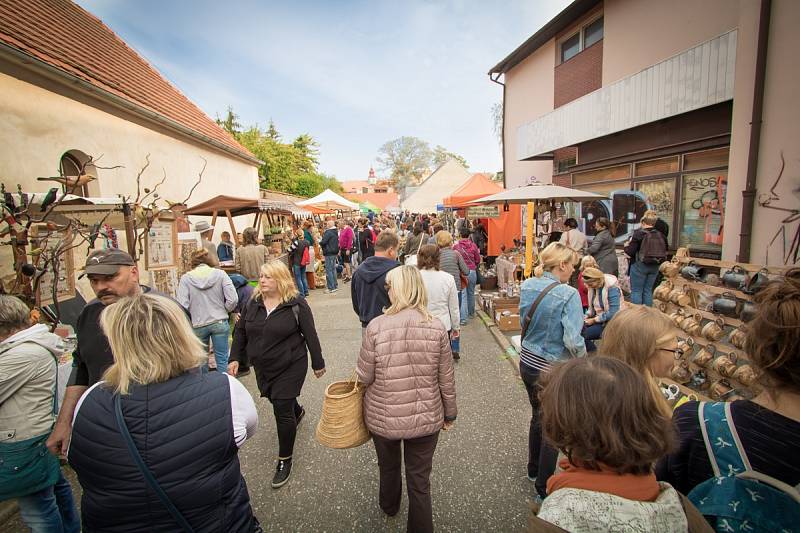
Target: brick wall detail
x,y
564,180
580,75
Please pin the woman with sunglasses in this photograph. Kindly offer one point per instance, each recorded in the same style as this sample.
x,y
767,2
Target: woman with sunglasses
x,y
646,339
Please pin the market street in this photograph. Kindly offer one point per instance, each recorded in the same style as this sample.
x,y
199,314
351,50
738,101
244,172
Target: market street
x,y
478,480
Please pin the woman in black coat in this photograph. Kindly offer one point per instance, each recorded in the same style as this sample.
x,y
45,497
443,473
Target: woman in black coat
x,y
603,247
275,333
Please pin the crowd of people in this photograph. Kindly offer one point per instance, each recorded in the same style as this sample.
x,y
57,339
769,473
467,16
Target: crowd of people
x,y
153,433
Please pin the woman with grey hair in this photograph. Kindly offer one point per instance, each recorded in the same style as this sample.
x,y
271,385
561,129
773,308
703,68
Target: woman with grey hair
x,y
29,369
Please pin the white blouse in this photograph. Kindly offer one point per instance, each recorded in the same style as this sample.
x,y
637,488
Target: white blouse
x,y
442,297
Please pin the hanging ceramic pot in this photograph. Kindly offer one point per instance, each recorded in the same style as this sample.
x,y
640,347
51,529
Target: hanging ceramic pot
x,y
691,325
686,346
735,278
705,355
737,338
693,272
713,330
720,390
725,365
681,372
759,280
669,269
726,305
662,291
677,317
748,312
745,375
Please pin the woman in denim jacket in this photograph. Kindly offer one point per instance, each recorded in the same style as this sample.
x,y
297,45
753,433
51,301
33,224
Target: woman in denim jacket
x,y
553,335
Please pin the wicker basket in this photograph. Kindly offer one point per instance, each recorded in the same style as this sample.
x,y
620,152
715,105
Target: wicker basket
x,y
342,422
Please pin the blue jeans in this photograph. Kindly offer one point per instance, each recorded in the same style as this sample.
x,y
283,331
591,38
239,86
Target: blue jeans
x,y
330,272
218,332
300,279
591,334
468,304
455,344
643,278
51,510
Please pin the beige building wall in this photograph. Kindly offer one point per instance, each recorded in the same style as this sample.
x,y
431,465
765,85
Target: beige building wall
x,y
38,126
438,186
640,33
529,95
780,131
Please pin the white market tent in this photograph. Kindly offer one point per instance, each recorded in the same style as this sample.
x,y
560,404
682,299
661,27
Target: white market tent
x,y
328,199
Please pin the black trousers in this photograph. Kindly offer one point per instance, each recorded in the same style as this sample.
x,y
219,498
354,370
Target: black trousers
x,y
541,456
286,413
418,456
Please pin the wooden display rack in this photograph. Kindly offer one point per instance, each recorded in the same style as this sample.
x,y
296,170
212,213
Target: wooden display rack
x,y
716,382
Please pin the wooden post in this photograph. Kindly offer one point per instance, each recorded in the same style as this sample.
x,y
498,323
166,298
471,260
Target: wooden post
x,y
530,235
130,231
233,228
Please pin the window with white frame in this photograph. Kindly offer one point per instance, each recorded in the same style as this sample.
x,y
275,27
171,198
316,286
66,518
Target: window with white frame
x,y
586,37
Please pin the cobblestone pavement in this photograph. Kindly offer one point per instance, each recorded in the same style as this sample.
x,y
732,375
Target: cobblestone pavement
x,y
478,481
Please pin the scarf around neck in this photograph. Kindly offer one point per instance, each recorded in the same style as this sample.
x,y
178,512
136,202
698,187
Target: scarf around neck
x,y
643,488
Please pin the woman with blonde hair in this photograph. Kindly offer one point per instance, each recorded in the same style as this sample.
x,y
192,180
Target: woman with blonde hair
x,y
274,335
552,318
604,299
155,444
406,364
645,338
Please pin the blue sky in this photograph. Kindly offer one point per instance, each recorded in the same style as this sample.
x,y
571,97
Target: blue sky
x,y
352,74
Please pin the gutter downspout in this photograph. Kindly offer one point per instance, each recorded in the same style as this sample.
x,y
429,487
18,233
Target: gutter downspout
x,y
503,125
749,192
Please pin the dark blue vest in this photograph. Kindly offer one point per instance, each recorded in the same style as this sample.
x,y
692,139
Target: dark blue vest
x,y
184,433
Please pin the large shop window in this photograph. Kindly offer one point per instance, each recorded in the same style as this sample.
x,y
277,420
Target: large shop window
x,y
659,195
703,210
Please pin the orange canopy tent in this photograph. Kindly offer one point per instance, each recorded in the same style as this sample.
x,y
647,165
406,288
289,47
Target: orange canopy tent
x,y
502,230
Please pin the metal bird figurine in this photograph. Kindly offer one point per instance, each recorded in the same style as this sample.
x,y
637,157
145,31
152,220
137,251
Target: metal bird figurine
x,y
49,198
70,181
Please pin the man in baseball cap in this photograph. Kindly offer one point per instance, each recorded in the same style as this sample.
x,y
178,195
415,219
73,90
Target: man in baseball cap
x,y
206,230
112,274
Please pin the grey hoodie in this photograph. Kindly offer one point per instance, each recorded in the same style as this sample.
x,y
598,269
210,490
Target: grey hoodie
x,y
208,294
28,369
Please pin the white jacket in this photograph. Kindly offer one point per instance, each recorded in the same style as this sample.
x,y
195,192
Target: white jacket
x,y
586,511
442,297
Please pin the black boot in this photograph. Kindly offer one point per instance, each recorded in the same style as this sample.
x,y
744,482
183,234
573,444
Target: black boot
x,y
282,472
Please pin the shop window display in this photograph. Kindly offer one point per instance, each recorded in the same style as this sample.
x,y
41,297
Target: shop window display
x,y
703,210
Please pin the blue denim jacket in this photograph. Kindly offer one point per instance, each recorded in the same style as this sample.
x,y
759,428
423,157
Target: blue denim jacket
x,y
555,329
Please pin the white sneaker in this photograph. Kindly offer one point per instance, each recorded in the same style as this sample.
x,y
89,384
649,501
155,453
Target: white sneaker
x,y
335,290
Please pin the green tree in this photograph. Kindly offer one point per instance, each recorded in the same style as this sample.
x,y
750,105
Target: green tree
x,y
231,122
441,156
272,131
308,149
405,160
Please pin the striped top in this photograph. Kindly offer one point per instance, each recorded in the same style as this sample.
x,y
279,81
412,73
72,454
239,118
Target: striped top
x,y
451,262
530,359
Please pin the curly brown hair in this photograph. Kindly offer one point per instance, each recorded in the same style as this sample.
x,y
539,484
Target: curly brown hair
x,y
201,257
599,410
773,336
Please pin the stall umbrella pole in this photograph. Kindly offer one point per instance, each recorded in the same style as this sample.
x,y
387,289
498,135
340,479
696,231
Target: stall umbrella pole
x,y
233,228
529,236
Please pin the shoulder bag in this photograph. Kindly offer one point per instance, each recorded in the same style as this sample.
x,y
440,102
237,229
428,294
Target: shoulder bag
x,y
148,476
529,315
412,259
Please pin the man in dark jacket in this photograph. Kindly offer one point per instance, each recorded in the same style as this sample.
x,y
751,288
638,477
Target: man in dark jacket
x,y
330,249
368,289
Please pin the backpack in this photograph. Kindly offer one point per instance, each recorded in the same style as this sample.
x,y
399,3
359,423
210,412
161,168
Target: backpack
x,y
306,259
653,250
738,497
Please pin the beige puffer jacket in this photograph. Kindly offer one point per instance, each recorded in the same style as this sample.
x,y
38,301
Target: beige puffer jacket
x,y
407,366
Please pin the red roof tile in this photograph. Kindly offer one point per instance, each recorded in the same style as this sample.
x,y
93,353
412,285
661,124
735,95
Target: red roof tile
x,y
65,36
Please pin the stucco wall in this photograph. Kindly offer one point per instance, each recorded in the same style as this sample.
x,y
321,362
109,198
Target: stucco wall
x,y
438,186
780,130
529,95
38,126
639,33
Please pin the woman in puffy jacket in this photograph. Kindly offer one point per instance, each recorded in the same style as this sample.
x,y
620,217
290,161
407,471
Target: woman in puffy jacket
x,y
406,364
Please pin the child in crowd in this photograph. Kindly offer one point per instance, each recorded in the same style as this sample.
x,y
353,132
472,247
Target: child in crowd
x,y
600,414
587,261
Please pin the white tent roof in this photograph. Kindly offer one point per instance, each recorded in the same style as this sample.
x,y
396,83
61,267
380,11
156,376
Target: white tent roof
x,y
328,199
540,191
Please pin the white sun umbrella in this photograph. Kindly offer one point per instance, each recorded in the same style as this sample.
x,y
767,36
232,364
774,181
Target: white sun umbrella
x,y
531,195
539,191
328,199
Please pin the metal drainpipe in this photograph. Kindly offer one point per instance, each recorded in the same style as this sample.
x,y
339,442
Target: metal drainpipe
x,y
749,192
502,126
